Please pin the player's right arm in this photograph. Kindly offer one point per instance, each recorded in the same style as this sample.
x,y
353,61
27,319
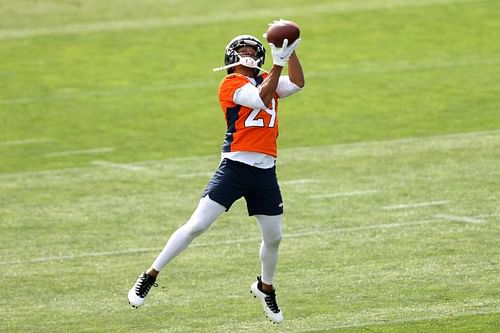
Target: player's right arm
x,y
268,87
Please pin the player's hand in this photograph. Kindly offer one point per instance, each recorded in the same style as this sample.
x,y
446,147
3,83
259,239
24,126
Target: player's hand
x,y
282,54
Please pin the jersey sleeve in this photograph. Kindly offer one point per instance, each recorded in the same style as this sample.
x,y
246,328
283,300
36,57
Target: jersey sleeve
x,y
249,95
229,86
286,87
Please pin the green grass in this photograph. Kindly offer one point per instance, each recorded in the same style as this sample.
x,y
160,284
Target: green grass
x,y
110,129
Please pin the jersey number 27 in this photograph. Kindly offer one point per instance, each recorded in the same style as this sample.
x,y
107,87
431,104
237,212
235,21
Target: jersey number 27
x,y
253,119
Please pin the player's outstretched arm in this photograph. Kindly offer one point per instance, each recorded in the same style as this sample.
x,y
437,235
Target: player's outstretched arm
x,y
281,56
295,72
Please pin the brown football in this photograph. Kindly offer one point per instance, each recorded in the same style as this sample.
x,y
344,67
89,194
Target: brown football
x,y
281,30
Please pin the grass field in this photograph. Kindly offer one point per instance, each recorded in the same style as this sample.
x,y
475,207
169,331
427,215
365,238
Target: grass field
x,y
389,167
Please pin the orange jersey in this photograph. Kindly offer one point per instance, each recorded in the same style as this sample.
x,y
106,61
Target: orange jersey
x,y
248,129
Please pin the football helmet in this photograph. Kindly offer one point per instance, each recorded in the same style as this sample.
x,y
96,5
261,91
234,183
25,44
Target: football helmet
x,y
231,55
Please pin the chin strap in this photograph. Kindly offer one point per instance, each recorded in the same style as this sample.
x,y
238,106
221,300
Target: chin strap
x,y
244,61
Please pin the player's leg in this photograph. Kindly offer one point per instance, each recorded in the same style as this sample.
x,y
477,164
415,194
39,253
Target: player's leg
x,y
221,192
270,227
265,202
203,217
263,289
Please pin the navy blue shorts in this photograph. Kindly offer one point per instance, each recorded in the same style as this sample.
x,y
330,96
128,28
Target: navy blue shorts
x,y
234,180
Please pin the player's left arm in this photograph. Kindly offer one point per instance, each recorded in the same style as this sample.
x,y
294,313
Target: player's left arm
x,y
294,82
295,72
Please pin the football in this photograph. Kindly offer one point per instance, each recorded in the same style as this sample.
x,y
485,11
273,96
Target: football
x,y
281,30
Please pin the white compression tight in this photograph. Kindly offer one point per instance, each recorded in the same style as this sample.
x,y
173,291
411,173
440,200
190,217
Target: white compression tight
x,y
203,217
205,214
270,227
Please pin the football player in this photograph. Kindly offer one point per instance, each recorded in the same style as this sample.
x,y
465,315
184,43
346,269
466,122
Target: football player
x,y
249,100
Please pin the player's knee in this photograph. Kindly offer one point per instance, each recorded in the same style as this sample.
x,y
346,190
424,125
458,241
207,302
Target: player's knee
x,y
277,239
196,227
273,240
195,231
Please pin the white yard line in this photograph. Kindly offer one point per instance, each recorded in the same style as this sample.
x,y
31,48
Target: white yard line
x,y
487,215
464,219
416,205
342,194
226,242
214,18
363,227
25,142
81,152
299,181
123,166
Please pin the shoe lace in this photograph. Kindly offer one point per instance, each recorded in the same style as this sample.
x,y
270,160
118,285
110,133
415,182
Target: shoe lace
x,y
271,302
144,285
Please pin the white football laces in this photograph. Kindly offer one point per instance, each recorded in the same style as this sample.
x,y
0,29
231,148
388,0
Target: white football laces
x,y
244,61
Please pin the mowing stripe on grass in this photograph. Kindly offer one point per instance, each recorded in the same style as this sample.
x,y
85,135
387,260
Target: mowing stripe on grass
x,y
342,194
212,18
450,314
302,234
464,219
375,148
195,175
404,66
342,70
416,205
199,84
80,152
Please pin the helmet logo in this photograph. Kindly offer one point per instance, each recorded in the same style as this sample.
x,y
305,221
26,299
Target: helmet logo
x,y
248,62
